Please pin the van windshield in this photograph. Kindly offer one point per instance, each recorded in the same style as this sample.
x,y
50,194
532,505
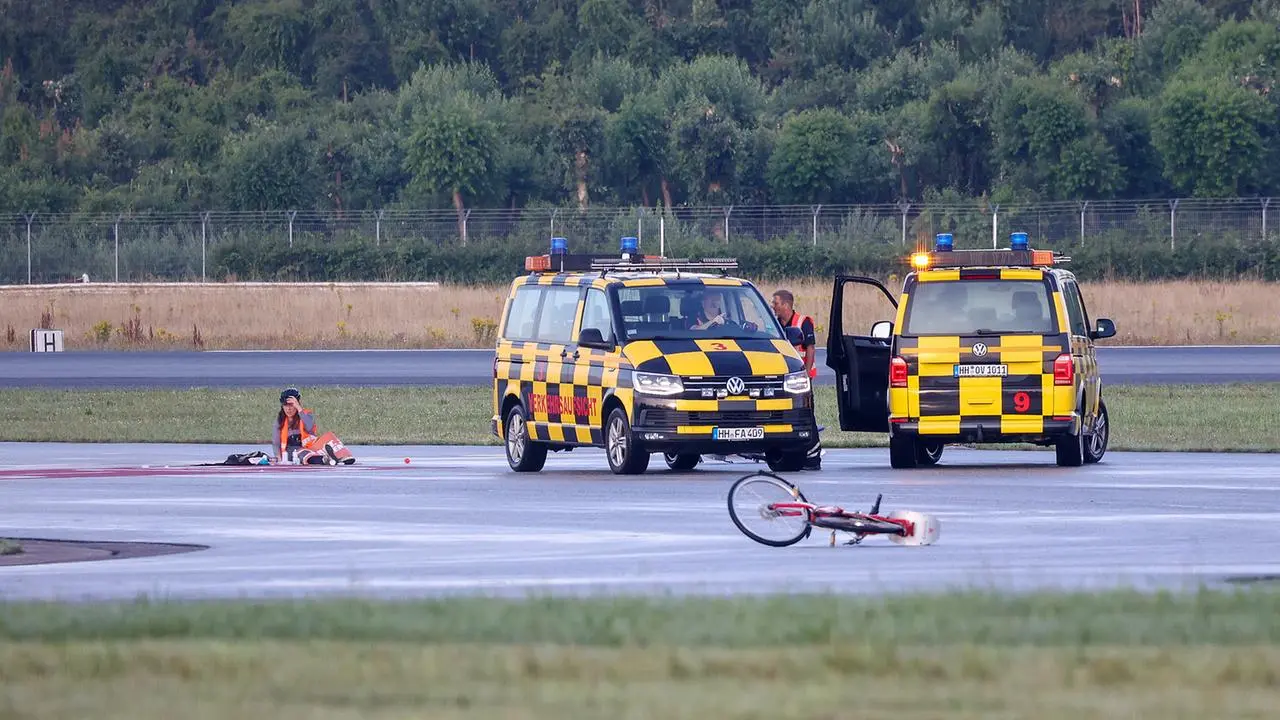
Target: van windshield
x,y
694,310
979,307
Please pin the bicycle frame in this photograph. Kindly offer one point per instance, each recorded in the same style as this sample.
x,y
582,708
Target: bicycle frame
x,y
833,517
904,528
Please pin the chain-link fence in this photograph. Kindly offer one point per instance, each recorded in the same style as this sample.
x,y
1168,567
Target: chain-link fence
x,y
129,247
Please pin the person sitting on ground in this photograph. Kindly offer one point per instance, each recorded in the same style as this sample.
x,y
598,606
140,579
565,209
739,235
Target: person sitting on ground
x,y
297,438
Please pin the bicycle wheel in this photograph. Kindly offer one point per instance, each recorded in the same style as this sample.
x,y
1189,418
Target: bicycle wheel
x,y
750,499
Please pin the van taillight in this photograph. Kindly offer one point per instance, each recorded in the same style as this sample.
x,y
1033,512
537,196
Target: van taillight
x,y
1064,370
897,372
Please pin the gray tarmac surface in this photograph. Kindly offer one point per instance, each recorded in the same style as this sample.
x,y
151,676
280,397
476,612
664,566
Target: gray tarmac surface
x,y
370,368
456,520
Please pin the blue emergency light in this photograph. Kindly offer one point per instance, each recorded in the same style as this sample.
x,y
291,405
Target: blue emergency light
x,y
944,243
559,246
630,245
1018,241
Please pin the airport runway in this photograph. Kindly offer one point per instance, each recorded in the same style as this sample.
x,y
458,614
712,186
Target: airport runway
x,y
250,369
456,520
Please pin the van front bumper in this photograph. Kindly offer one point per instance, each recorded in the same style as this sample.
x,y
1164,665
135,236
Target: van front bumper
x,y
662,428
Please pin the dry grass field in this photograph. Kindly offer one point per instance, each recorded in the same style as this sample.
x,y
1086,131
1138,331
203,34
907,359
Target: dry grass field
x,y
406,315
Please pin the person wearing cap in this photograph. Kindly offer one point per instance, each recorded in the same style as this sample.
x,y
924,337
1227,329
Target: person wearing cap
x,y
296,433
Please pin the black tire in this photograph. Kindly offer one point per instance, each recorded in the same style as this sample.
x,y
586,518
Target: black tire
x,y
928,453
625,453
1070,448
1096,442
779,461
682,462
523,454
902,452
785,487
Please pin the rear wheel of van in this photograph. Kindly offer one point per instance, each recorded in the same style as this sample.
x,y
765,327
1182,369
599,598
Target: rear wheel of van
x,y
682,461
1070,449
903,453
1096,444
523,454
626,454
928,453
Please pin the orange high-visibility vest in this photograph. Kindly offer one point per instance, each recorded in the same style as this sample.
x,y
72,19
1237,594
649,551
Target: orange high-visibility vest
x,y
797,320
303,436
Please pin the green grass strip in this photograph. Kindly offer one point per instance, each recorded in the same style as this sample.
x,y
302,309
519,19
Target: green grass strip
x,y
1222,418
1243,615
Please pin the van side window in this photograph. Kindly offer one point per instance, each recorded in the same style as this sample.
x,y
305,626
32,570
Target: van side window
x,y
555,323
1075,312
595,314
519,324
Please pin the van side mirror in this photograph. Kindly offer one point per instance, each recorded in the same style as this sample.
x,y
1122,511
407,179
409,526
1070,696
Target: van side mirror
x,y
592,338
882,330
795,335
1105,329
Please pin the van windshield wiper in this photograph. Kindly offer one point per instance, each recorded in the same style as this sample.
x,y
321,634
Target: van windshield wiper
x,y
986,331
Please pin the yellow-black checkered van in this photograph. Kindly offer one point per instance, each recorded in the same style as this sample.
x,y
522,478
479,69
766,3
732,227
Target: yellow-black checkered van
x,y
640,354
984,346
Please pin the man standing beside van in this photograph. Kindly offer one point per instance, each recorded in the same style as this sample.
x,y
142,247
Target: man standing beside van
x,y
784,308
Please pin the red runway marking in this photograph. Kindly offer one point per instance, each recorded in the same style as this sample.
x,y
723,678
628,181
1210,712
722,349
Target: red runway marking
x,y
123,472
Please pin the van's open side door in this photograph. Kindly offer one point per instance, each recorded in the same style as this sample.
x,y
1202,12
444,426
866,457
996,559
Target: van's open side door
x,y
860,362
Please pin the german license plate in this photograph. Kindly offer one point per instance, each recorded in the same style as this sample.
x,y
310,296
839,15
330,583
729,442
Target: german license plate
x,y
748,433
987,370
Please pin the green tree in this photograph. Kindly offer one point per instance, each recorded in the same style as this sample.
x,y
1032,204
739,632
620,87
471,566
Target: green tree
x,y
815,159
451,151
1212,136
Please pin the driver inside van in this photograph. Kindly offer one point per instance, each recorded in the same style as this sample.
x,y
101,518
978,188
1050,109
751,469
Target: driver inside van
x,y
712,313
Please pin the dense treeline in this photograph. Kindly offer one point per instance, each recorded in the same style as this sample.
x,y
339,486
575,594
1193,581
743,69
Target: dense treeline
x,y
109,105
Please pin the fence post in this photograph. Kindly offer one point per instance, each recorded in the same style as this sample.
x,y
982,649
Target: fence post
x,y
1265,203
466,217
726,224
1083,208
377,229
118,248
662,233
1173,208
292,215
995,225
816,210
31,217
904,206
640,227
204,222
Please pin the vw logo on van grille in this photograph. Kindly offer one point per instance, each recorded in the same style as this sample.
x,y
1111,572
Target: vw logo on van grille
x,y
979,349
735,386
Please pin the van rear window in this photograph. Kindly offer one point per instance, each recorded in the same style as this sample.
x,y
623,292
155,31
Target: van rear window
x,y
977,307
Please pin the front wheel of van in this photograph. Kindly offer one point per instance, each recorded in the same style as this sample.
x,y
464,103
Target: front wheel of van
x,y
779,461
1096,446
523,454
626,454
682,462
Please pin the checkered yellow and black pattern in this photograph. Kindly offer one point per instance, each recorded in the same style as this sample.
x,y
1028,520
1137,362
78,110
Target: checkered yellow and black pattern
x,y
1018,403
706,366
937,402
564,387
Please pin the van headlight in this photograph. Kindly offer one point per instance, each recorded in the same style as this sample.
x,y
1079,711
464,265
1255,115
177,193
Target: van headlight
x,y
657,384
797,383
